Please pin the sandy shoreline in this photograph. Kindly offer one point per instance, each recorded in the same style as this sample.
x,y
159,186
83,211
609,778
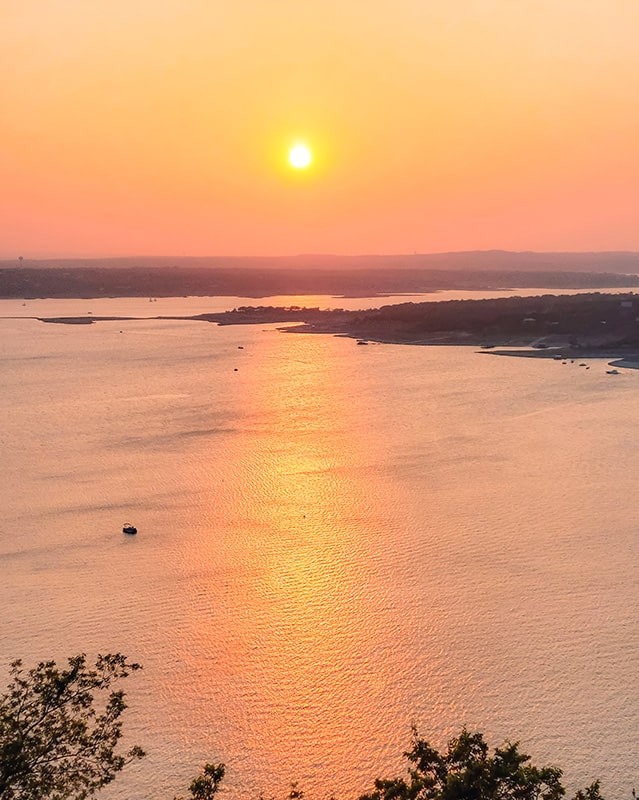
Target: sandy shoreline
x,y
628,360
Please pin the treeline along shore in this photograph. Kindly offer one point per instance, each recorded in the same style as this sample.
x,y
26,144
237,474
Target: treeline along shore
x,y
601,323
35,280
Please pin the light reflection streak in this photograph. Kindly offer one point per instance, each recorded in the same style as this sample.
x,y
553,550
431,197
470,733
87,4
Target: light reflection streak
x,y
301,634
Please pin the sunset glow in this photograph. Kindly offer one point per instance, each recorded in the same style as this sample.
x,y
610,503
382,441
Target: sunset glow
x,y
146,128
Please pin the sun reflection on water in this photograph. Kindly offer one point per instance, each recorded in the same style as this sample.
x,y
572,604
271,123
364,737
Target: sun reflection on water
x,y
300,546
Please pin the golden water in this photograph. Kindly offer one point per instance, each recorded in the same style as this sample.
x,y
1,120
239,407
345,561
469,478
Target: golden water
x,y
335,542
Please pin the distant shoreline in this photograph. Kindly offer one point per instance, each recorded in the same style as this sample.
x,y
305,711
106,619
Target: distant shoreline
x,y
347,278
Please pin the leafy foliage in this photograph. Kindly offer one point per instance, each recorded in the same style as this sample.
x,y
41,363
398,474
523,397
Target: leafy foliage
x,y
466,771
53,742
205,786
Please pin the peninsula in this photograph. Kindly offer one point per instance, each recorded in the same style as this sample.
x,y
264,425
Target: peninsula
x,y
595,323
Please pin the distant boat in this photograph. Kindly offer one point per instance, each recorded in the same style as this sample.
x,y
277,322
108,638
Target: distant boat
x,y
361,341
129,528
612,372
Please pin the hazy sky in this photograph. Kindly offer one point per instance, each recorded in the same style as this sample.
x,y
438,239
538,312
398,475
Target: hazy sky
x,y
132,127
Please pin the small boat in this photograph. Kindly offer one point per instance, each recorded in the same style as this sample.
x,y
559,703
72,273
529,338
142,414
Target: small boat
x,y
361,341
129,529
612,372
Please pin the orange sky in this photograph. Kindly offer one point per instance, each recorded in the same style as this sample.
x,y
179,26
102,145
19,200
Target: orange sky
x,y
156,127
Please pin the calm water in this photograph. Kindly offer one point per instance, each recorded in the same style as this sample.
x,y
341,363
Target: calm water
x,y
335,542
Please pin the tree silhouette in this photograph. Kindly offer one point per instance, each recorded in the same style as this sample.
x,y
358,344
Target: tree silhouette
x,y
53,742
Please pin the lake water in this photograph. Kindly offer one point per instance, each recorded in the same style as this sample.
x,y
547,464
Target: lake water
x,y
335,542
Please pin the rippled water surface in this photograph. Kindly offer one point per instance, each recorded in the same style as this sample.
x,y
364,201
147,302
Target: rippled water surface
x,y
335,542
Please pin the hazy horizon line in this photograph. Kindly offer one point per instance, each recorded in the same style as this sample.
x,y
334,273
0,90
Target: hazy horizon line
x,y
328,255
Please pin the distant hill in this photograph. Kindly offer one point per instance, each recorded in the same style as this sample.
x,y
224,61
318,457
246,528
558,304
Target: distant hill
x,y
477,260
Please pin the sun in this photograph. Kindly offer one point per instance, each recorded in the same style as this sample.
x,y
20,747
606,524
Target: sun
x,y
300,156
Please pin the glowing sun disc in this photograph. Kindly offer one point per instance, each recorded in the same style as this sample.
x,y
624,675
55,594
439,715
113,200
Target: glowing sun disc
x,y
300,156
